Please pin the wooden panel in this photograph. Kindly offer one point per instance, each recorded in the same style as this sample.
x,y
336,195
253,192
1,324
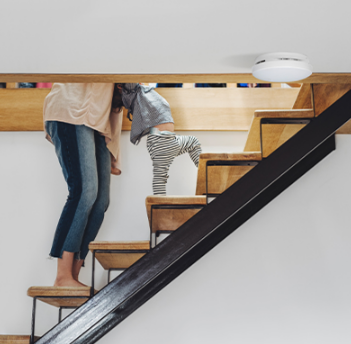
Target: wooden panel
x,y
224,108
117,260
274,135
221,177
22,109
253,139
192,109
223,181
119,245
14,339
64,302
304,98
326,95
169,219
331,78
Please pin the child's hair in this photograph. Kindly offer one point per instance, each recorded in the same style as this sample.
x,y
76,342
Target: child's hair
x,y
117,102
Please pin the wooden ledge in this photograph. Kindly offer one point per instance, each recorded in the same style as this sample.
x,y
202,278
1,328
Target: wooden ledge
x,y
243,156
58,291
331,78
13,339
175,200
119,245
61,296
291,113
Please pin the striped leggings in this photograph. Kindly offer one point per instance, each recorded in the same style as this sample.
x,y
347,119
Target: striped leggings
x,y
163,149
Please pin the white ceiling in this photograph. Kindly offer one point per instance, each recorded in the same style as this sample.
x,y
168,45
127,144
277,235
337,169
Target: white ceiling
x,y
161,36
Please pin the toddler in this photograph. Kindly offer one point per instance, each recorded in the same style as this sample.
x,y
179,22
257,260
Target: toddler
x,y
151,115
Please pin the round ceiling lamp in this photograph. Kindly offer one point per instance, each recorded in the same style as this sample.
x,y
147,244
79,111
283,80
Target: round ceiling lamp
x,y
281,67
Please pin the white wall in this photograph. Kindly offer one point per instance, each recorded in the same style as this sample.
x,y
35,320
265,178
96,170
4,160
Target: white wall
x,y
283,277
163,36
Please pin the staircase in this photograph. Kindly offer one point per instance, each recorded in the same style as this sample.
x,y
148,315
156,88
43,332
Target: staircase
x,y
282,145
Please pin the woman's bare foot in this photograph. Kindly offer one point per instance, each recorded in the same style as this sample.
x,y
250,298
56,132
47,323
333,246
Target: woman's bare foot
x,y
67,282
68,270
82,284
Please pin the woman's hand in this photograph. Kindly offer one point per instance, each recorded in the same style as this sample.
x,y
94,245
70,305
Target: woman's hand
x,y
114,169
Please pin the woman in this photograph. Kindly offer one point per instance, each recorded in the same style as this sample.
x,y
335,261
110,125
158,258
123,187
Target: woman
x,y
85,132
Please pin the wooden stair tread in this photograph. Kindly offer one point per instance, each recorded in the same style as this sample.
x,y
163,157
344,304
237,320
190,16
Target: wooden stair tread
x,y
293,113
58,291
221,177
119,245
60,296
171,219
175,200
253,142
119,260
242,156
15,339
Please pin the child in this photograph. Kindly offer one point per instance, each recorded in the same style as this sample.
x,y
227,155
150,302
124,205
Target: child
x,y
152,116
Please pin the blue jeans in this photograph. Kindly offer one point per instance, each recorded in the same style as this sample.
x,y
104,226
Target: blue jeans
x,y
86,166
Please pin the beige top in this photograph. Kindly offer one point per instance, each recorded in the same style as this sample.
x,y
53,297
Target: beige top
x,y
87,104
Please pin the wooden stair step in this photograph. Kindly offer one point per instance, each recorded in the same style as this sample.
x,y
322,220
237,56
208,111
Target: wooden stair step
x,y
60,296
221,177
276,134
120,254
172,218
14,339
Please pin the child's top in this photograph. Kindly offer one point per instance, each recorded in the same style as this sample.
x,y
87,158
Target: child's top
x,y
147,107
85,104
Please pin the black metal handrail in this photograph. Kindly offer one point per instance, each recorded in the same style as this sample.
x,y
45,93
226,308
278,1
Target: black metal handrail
x,y
203,231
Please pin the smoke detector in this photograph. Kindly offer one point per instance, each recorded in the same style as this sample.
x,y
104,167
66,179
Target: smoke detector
x,y
281,67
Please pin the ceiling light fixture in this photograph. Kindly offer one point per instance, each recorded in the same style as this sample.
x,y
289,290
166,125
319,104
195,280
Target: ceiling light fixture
x,y
281,67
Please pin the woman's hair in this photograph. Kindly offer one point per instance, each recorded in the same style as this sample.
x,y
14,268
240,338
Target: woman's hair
x,y
117,102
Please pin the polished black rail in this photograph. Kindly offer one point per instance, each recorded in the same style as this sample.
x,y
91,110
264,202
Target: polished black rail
x,y
202,232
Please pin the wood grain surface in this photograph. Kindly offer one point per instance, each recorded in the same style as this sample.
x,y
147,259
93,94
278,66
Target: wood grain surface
x,y
330,78
192,109
221,177
253,142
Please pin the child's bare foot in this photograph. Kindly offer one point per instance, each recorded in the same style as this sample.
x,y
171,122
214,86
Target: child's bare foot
x,y
68,282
